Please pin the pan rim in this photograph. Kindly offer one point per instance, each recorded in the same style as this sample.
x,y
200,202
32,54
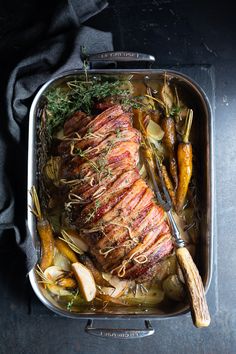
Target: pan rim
x,y
31,176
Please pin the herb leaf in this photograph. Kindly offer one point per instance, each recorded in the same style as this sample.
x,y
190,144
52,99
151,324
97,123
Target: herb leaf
x,y
71,302
78,95
175,111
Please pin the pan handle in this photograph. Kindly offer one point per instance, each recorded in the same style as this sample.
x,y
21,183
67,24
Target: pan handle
x,y
119,333
122,56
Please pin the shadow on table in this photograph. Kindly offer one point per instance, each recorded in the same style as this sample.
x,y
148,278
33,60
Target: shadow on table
x,y
14,285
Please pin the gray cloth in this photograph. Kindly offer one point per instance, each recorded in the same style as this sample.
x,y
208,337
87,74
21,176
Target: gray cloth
x,y
56,49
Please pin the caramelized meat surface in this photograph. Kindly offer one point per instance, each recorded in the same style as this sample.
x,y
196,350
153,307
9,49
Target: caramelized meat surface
x,y
106,199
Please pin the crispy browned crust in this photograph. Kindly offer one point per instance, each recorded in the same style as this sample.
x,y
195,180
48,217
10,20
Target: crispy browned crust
x,y
116,213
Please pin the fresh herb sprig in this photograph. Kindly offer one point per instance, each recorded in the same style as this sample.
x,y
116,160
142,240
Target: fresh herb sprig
x,y
175,111
71,302
93,211
78,95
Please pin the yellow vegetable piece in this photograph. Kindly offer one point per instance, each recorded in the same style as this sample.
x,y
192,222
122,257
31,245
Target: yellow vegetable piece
x,y
47,243
66,250
99,280
45,232
74,238
85,280
67,283
53,274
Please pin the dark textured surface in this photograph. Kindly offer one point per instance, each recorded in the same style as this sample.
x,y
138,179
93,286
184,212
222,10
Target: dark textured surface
x,y
179,33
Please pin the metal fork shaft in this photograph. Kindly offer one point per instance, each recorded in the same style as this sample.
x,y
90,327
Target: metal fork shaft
x,y
175,231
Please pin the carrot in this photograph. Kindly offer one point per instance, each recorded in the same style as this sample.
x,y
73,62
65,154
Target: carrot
x,y
66,250
184,157
169,140
169,184
96,273
173,169
67,283
45,232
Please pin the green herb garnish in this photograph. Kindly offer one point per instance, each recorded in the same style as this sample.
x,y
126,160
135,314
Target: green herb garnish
x,y
93,211
97,204
135,102
175,111
80,152
118,133
71,302
78,95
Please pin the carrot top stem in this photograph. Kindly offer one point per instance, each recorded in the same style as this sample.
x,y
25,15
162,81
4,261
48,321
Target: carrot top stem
x,y
177,97
188,125
36,209
156,99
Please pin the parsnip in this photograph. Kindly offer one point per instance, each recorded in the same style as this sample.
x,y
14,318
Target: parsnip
x,y
85,280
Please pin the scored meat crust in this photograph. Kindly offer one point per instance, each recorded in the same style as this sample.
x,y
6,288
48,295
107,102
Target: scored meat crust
x,y
107,201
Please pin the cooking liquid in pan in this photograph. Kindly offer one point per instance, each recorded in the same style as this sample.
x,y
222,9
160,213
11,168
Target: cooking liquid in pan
x,y
166,290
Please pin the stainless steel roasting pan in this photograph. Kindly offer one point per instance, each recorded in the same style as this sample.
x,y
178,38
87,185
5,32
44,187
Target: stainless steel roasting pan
x,y
203,147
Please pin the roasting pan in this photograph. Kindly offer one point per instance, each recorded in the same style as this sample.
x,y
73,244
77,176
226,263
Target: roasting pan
x,y
197,99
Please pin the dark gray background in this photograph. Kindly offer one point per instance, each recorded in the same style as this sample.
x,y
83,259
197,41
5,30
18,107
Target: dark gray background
x,y
180,33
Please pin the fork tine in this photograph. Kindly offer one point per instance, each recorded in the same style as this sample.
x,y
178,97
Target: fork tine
x,y
165,204
165,191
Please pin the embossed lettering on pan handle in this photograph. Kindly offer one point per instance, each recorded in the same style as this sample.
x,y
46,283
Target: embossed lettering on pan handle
x,y
121,56
119,333
197,298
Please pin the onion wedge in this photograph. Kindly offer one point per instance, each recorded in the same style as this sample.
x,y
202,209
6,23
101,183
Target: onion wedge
x,y
117,288
154,130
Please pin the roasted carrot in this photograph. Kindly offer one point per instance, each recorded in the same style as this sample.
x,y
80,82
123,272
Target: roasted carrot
x,y
45,232
96,274
184,157
169,184
168,125
67,283
66,250
169,140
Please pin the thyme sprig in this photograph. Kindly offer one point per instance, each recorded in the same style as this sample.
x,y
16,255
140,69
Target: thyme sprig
x,y
78,95
71,302
175,111
100,166
93,211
